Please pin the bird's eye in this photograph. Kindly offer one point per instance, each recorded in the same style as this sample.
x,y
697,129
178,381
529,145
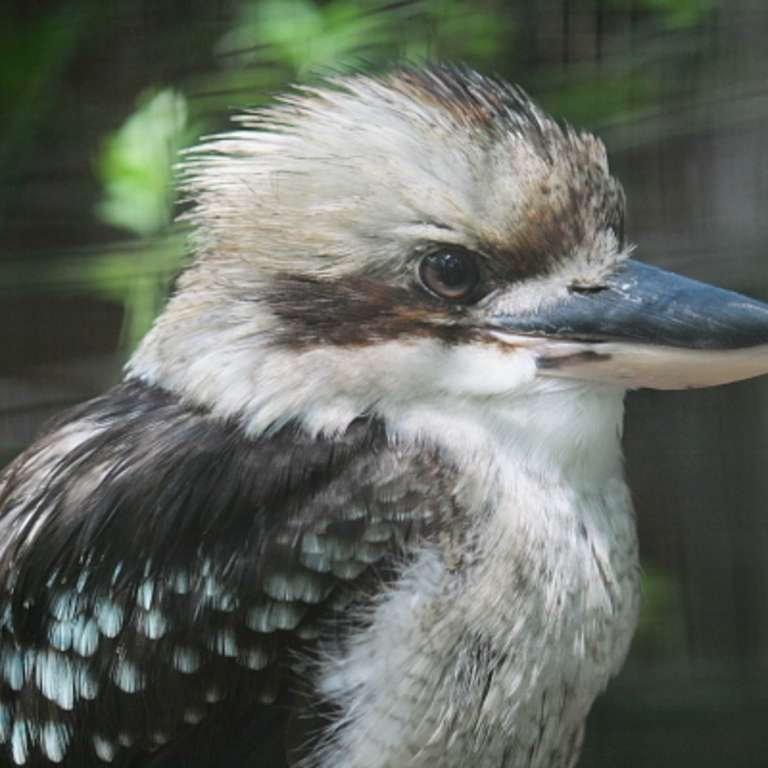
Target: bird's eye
x,y
451,274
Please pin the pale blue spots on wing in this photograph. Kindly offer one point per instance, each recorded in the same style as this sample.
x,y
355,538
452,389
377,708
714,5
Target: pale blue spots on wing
x,y
159,738
54,740
60,635
272,616
266,696
145,594
186,660
13,668
127,676
369,553
315,561
116,573
211,586
330,546
254,658
82,580
216,594
378,533
281,587
6,722
306,587
66,606
85,637
54,677
20,738
124,739
109,617
193,715
312,544
180,582
53,577
154,624
86,684
225,601
348,569
224,643
105,749
5,616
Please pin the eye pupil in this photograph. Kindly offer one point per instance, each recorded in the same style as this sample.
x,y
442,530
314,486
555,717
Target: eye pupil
x,y
451,274
453,270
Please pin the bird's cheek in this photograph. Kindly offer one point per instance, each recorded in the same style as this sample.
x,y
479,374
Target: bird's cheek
x,y
486,369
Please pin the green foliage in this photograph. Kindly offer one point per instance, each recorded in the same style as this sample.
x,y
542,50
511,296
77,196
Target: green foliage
x,y
136,165
299,33
137,278
661,633
682,13
134,274
136,170
673,13
304,37
593,100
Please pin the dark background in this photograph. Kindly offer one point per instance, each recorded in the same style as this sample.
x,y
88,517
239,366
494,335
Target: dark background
x,y
96,97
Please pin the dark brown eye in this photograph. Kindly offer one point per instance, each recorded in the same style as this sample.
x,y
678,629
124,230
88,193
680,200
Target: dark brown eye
x,y
451,274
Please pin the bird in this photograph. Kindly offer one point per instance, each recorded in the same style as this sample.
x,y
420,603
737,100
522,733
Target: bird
x,y
359,499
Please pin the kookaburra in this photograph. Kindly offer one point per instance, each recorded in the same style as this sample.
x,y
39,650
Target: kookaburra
x,y
359,501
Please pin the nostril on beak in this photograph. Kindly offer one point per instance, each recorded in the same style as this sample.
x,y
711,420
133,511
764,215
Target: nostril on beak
x,y
586,288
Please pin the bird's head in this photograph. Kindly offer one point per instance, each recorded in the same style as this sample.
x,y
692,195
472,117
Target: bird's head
x,y
429,234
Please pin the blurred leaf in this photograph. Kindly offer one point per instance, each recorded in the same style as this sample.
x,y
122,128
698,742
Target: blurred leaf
x,y
138,279
134,274
308,37
136,165
590,100
682,13
661,632
672,13
299,33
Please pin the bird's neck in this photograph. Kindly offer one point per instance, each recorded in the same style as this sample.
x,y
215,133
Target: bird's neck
x,y
559,434
541,480
525,620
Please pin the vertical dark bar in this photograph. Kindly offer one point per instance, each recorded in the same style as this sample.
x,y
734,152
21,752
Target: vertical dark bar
x,y
634,20
529,40
599,28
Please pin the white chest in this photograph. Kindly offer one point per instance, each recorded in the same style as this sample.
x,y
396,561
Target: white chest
x,y
495,658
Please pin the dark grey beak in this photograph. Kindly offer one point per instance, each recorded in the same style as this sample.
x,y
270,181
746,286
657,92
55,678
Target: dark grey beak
x,y
643,326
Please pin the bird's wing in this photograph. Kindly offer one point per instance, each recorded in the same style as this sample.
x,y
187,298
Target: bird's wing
x,y
155,565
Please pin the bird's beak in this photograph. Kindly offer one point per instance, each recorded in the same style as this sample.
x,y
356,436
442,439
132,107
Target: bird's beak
x,y
645,327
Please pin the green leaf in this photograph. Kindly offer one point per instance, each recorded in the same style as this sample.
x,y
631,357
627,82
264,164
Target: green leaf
x,y
136,165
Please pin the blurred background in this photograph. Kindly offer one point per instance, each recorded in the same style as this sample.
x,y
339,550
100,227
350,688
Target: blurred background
x,y
96,99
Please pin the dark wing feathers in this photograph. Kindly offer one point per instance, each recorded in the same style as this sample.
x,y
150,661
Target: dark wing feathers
x,y
156,573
